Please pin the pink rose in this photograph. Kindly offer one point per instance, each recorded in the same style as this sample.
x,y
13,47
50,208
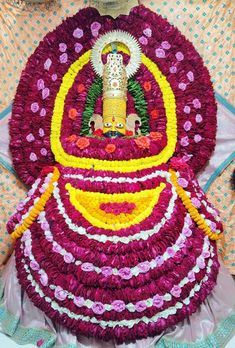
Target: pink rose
x,y
47,64
184,141
140,306
147,32
45,226
45,93
98,308
179,56
63,58
165,45
170,251
201,262
191,276
57,248
196,103
34,107
78,47
144,267
182,86
197,138
62,47
187,232
183,182
190,76
79,301
176,291
173,69
160,53
87,267
106,271
44,279
60,293
187,126
158,301
159,260
118,305
198,118
40,84
34,265
143,40
95,26
68,258
187,109
43,112
125,273
78,33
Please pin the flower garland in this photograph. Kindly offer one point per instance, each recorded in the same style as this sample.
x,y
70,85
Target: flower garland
x,y
38,206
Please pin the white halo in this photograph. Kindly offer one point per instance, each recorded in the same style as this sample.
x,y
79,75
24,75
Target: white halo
x,y
117,36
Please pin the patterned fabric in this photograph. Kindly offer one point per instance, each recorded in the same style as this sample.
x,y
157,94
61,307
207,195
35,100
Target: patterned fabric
x,y
11,192
223,197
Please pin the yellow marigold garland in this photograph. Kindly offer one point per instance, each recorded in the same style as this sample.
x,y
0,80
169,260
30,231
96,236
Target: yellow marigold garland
x,y
195,215
37,208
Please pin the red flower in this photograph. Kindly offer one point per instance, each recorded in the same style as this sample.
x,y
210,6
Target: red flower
x,y
142,142
98,132
82,143
73,114
110,148
81,88
129,133
147,86
154,114
155,135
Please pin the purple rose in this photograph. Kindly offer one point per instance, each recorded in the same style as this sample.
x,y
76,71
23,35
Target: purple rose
x,y
140,306
184,141
118,305
182,86
44,279
45,93
143,40
78,47
79,301
43,151
165,45
68,258
159,260
176,291
147,32
63,58
190,76
87,267
197,138
187,126
158,301
106,271
34,265
160,53
196,103
34,107
144,267
173,69
98,308
95,26
60,293
187,109
182,182
198,118
179,56
62,47
40,84
43,112
191,276
33,157
78,33
47,64
125,273
30,137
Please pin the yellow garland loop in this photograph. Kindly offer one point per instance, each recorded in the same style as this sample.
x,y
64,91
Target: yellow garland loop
x,y
87,203
37,208
117,166
195,215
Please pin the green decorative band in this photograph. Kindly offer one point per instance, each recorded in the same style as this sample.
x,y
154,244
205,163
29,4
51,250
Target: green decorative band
x,y
95,91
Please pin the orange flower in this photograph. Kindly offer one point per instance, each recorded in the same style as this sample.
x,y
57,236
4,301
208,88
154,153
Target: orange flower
x,y
154,113
110,148
82,143
73,114
81,88
72,138
142,142
156,135
147,86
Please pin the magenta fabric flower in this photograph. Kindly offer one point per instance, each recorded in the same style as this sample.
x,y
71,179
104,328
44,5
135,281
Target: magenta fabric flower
x,y
78,33
190,76
87,267
63,58
60,293
125,273
95,26
158,301
43,151
160,53
182,86
78,47
118,305
33,157
47,64
198,118
98,308
176,291
187,109
184,141
196,103
173,69
187,125
140,306
107,271
62,47
54,77
45,93
79,301
43,112
147,32
30,137
197,138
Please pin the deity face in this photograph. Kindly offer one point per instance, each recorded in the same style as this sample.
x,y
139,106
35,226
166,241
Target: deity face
x,y
114,127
